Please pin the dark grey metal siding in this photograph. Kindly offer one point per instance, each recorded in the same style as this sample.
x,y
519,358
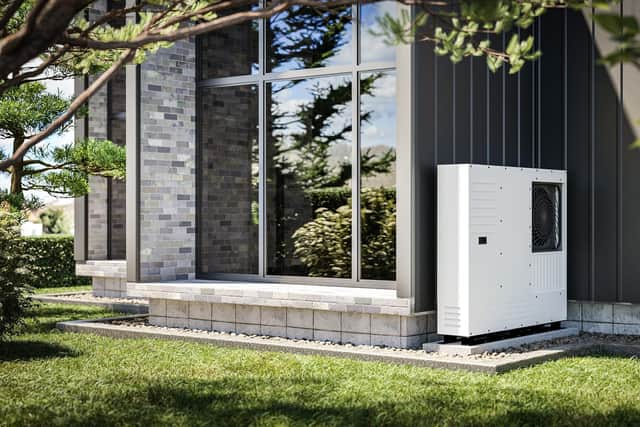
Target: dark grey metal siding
x,y
561,112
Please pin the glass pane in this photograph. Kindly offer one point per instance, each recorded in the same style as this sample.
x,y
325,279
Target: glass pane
x,y
303,37
228,180
372,46
378,175
309,177
230,51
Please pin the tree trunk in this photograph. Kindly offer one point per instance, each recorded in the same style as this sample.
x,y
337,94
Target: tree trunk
x,y
17,169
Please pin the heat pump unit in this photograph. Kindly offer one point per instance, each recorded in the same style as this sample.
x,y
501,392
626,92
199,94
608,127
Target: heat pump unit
x,y
502,248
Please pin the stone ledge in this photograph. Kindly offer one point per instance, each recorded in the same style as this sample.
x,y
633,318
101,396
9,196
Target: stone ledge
x,y
329,298
102,268
337,326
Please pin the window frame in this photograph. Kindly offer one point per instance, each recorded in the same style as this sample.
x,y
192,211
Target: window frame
x,y
261,79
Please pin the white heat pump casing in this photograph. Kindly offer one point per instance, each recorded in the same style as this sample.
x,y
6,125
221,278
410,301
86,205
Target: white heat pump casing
x,y
503,284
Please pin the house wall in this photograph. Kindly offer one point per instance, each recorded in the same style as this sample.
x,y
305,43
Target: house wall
x,y
97,199
564,111
117,187
165,211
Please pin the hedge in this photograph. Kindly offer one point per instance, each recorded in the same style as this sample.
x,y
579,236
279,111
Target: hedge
x,y
53,262
333,197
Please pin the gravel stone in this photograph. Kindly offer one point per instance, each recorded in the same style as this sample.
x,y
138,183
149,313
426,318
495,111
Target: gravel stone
x,y
515,353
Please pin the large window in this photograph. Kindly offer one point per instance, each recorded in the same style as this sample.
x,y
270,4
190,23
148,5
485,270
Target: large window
x,y
296,148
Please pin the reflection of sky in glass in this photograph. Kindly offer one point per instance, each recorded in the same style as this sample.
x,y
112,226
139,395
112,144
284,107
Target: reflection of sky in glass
x,y
287,102
309,36
381,127
372,47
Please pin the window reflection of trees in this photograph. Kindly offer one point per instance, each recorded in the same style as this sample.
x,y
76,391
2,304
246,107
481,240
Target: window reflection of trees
x,y
304,37
309,141
309,181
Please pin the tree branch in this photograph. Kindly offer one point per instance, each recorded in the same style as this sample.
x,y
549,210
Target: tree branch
x,y
8,14
75,105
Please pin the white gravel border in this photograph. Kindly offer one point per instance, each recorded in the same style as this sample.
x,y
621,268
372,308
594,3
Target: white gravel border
x,y
122,305
492,363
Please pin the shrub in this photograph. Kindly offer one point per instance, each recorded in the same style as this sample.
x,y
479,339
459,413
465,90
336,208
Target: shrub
x,y
324,244
329,198
53,263
14,300
53,221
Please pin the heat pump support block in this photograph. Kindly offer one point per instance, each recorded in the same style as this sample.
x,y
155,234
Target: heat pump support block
x,y
458,349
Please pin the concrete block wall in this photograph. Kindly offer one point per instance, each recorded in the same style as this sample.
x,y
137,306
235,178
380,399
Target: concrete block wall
x,y
167,202
296,323
108,278
604,318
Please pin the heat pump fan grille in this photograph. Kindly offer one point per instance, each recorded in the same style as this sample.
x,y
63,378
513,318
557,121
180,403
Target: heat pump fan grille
x,y
545,230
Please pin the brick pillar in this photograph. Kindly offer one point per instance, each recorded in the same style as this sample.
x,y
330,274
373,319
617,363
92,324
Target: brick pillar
x,y
167,148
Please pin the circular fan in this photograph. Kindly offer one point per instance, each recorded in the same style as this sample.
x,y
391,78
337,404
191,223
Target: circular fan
x,y
546,217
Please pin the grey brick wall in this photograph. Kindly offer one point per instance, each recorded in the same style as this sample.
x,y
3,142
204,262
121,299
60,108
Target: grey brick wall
x,y
97,198
118,187
106,199
228,232
167,164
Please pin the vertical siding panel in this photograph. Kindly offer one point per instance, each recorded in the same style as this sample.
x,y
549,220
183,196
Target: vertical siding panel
x,y
526,127
462,113
444,103
551,142
578,149
510,113
479,110
605,176
495,109
629,176
425,178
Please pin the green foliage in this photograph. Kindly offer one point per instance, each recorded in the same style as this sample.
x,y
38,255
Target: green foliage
x,y
51,262
14,276
73,165
53,221
330,198
324,244
461,29
28,109
20,202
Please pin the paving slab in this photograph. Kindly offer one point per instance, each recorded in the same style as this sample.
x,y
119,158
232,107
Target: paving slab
x,y
457,348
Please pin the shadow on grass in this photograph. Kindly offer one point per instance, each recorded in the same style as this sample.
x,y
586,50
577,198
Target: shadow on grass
x,y
251,401
43,317
33,350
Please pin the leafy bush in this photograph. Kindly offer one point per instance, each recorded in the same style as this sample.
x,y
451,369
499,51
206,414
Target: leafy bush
x,y
329,198
324,244
14,277
53,263
53,221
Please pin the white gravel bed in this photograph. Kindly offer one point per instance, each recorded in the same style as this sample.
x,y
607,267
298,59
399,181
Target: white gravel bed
x,y
88,296
511,354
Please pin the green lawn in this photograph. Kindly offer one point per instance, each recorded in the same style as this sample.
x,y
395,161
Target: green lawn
x,y
60,290
53,378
